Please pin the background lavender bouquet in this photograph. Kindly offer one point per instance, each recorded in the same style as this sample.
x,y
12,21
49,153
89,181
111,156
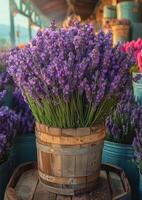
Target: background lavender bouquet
x,y
26,121
126,121
70,78
8,122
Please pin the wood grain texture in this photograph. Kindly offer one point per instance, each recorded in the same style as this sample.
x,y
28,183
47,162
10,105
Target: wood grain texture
x,y
27,187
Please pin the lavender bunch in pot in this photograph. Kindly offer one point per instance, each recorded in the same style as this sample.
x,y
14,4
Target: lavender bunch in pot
x,y
24,142
8,122
71,80
137,145
121,128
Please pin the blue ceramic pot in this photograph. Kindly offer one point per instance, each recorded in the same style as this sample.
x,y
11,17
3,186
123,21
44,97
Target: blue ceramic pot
x,y
6,170
130,10
137,88
123,156
140,187
24,148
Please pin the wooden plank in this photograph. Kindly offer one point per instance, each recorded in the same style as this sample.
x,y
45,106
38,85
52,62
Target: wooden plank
x,y
82,197
68,140
56,165
68,166
42,193
81,165
61,197
26,185
116,185
45,162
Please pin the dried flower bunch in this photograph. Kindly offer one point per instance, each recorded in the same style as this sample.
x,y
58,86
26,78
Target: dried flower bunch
x,y
70,78
126,121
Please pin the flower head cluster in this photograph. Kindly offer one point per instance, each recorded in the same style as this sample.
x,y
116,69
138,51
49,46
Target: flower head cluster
x,y
26,120
137,145
126,121
8,122
136,47
60,63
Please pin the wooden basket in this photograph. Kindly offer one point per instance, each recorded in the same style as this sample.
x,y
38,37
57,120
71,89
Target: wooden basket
x,y
69,159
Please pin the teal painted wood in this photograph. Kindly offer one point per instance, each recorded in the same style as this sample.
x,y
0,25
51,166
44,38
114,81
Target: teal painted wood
x,y
24,148
136,30
123,156
130,10
6,170
109,12
137,89
9,96
140,187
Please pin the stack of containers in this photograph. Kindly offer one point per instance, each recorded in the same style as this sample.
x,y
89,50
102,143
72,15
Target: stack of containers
x,y
132,11
124,19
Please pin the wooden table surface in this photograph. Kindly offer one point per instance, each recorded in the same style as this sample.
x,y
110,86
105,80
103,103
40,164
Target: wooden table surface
x,y
28,187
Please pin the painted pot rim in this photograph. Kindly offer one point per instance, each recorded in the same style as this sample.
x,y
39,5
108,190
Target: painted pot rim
x,y
118,144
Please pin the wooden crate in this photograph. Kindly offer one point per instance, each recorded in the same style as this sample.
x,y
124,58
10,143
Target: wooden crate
x,y
25,185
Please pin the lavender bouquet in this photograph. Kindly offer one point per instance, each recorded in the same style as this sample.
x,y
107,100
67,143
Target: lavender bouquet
x,y
123,125
26,122
70,78
8,122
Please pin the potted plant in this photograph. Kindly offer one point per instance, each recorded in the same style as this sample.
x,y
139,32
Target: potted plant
x,y
137,144
24,145
71,80
8,121
121,128
136,48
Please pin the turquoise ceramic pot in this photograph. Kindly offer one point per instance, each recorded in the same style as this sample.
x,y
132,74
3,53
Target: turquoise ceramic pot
x,y
24,148
6,170
140,187
123,156
109,12
130,10
137,88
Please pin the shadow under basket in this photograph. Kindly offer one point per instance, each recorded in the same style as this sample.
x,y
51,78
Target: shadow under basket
x,y
69,159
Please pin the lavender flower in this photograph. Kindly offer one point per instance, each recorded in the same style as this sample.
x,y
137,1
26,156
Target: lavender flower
x,y
8,122
67,75
123,125
26,120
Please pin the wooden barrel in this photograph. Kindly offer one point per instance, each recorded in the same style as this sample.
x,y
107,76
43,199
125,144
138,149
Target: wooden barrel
x,y
25,185
121,33
130,10
109,12
69,159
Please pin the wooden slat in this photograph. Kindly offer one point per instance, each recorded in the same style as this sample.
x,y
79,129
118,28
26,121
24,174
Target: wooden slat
x,y
61,197
81,163
46,162
42,191
62,140
68,180
56,165
68,166
26,185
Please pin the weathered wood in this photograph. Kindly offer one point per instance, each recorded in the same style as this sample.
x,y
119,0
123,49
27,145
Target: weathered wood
x,y
68,157
28,179
41,192
27,186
